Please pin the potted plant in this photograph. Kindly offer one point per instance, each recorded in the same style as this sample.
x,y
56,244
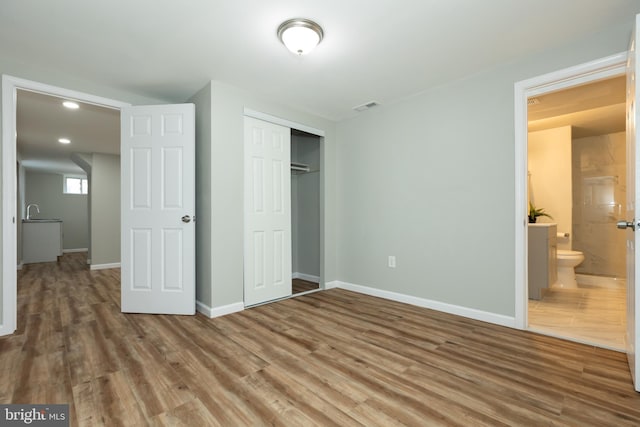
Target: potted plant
x,y
534,213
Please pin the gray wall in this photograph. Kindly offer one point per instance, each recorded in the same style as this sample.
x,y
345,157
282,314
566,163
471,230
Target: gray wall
x,y
105,209
84,161
431,181
202,101
226,190
20,206
305,206
45,189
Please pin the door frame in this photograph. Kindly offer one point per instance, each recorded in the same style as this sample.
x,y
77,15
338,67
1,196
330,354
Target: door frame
x,y
320,133
10,85
599,69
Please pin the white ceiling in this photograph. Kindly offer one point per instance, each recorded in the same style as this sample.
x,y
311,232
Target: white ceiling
x,y
383,50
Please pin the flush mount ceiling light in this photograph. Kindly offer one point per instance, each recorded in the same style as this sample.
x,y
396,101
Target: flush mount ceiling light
x,y
64,141
300,35
71,105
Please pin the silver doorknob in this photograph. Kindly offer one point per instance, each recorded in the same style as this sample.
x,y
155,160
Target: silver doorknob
x,y
622,225
186,218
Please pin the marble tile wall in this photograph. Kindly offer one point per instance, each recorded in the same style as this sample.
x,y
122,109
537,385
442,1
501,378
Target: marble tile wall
x,y
599,186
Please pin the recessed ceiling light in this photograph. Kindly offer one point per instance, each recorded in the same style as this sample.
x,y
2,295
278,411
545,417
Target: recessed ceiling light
x,y
64,141
71,105
300,35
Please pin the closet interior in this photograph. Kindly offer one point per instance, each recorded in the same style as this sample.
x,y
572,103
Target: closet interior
x,y
305,212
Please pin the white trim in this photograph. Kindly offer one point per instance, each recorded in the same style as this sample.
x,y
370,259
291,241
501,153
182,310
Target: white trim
x,y
219,311
10,85
332,285
9,245
70,251
307,277
104,266
471,313
20,266
602,282
282,122
580,74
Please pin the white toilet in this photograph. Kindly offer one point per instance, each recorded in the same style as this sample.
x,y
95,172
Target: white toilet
x,y
567,261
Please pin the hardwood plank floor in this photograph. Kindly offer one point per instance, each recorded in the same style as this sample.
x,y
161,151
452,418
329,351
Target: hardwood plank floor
x,y
299,286
327,358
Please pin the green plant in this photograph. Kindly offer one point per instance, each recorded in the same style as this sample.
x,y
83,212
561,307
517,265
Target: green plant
x,y
534,213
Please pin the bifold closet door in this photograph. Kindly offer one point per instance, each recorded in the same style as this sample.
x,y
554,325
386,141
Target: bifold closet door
x,y
267,211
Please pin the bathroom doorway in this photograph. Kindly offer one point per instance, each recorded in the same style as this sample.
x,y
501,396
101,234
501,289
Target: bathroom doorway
x,y
576,167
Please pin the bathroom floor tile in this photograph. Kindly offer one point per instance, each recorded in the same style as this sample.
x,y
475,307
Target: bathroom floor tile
x,y
591,315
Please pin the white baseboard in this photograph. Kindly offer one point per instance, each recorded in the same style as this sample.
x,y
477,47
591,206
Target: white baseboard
x,y
6,330
331,285
219,311
471,313
592,281
20,266
104,266
70,251
307,277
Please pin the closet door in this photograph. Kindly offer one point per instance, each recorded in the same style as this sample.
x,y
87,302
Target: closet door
x,y
267,211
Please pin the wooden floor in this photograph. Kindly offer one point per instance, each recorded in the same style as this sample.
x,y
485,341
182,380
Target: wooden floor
x,y
331,358
587,314
298,286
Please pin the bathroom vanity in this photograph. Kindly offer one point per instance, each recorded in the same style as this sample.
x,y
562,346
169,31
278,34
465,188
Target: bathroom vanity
x,y
41,240
543,249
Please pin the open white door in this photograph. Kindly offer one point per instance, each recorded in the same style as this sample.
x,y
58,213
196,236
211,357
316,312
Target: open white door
x,y
158,203
633,212
267,211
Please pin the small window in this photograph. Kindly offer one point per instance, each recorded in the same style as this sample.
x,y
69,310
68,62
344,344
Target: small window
x,y
75,185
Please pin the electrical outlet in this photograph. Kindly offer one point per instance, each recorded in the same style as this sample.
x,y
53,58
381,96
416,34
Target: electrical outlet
x,y
392,261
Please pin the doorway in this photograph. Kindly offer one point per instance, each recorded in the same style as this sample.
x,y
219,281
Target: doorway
x,y
10,86
69,156
553,82
577,183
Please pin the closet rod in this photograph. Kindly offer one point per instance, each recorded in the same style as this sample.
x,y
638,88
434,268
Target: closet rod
x,y
299,167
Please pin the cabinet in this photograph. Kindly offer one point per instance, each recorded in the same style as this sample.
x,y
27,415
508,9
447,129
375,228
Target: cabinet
x,y
543,248
41,240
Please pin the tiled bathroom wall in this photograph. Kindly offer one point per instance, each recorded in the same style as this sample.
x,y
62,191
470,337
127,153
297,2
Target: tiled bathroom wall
x,y
599,185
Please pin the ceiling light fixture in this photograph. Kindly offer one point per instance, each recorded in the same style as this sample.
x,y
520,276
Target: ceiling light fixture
x,y
71,105
64,141
300,35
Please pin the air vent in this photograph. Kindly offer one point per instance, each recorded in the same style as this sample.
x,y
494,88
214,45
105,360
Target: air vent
x,y
366,106
533,101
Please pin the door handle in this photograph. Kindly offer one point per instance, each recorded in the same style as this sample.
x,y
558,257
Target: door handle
x,y
186,218
622,225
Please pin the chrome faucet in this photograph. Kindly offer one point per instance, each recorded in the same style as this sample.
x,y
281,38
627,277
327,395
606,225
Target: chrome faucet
x,y
29,208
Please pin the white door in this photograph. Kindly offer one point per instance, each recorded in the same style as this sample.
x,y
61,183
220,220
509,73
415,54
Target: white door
x,y
633,212
267,211
158,204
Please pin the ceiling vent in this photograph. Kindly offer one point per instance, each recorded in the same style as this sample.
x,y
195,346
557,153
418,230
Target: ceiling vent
x,y
533,101
366,106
